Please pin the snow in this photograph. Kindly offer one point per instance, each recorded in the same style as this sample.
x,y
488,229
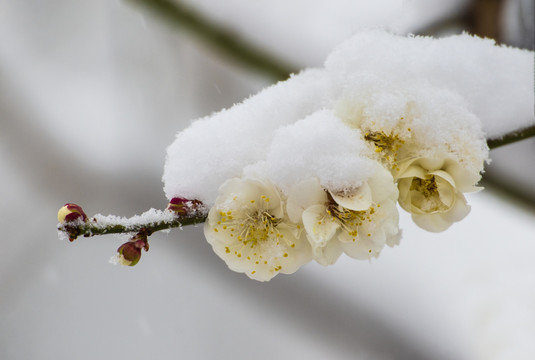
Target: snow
x,y
152,216
495,81
456,91
181,298
218,147
327,153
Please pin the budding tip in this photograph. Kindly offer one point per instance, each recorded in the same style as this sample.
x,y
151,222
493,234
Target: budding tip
x,y
129,253
182,206
71,212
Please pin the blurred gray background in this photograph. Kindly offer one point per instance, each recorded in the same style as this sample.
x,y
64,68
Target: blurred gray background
x,y
92,93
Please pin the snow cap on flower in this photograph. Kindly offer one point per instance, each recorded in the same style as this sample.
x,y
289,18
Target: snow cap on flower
x,y
453,76
358,221
400,122
248,229
218,147
433,145
319,145
384,109
496,82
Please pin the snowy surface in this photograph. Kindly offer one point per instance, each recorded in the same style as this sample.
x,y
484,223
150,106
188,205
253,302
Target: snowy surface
x,y
218,147
454,86
84,71
496,82
327,152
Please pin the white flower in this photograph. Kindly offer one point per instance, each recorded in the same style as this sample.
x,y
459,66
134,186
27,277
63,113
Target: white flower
x,y
248,229
358,223
431,189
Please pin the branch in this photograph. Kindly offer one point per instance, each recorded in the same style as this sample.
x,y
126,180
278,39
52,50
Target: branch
x,y
74,222
102,225
180,212
220,38
512,137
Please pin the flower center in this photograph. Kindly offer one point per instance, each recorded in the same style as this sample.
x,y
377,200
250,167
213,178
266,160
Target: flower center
x,y
349,220
258,227
428,186
387,145
254,235
429,198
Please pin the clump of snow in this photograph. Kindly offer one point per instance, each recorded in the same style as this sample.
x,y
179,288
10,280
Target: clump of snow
x,y
218,147
321,146
62,235
495,81
149,217
436,119
443,95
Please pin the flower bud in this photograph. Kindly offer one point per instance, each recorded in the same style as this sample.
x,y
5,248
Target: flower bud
x,y
71,212
128,254
182,206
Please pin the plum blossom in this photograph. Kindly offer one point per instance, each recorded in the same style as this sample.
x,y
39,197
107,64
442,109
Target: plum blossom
x,y
431,189
248,229
357,222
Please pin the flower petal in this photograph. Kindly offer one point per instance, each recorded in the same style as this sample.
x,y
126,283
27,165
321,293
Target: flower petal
x,y
458,211
297,254
431,222
404,199
382,185
328,254
444,175
360,200
446,192
365,247
319,226
412,171
430,164
465,180
302,196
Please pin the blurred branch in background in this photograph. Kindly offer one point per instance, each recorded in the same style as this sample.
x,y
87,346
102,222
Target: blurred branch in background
x,y
479,17
512,137
483,18
220,38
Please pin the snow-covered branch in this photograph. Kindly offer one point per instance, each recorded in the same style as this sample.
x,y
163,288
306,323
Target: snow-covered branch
x,y
312,167
73,223
153,220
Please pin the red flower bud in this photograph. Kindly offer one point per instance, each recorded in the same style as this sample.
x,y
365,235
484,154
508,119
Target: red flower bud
x,y
71,212
129,253
182,206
